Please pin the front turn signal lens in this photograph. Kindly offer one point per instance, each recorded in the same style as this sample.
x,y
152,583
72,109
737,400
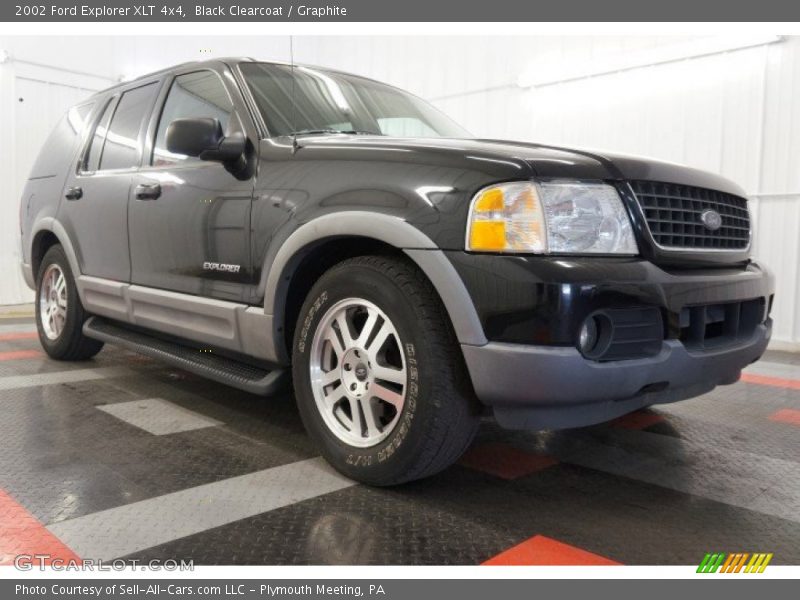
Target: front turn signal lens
x,y
488,235
507,218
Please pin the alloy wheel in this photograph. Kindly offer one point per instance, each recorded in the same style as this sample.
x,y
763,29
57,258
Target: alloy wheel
x,y
358,372
53,302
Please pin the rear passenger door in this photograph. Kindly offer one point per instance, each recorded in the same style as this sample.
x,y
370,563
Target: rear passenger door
x,y
189,218
94,210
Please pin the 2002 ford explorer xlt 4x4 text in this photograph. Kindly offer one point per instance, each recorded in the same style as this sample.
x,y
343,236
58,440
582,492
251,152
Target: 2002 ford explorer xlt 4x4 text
x,y
248,220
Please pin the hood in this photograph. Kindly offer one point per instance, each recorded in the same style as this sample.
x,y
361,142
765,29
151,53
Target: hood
x,y
531,160
628,167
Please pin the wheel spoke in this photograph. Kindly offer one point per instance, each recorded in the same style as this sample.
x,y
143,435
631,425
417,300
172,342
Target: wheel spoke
x,y
389,374
331,377
344,330
369,417
380,339
355,418
335,344
369,325
333,397
387,395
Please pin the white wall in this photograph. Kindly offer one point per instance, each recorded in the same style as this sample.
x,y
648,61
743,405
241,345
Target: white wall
x,y
34,92
736,113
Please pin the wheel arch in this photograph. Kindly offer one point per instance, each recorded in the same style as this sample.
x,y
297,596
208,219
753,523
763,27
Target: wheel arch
x,y
46,233
319,244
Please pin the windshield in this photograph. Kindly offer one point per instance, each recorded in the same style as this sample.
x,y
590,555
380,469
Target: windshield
x,y
327,102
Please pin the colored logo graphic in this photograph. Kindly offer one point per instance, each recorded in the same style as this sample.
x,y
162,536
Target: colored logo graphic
x,y
736,562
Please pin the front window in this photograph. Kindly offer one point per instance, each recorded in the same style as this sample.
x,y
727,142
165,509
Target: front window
x,y
198,94
317,101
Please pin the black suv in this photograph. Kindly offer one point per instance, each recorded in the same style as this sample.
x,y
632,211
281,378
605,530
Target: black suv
x,y
244,220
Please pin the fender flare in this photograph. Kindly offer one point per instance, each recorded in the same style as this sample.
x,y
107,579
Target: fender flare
x,y
56,228
385,228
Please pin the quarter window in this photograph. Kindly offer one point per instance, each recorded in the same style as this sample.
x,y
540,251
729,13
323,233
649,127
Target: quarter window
x,y
121,146
91,161
194,95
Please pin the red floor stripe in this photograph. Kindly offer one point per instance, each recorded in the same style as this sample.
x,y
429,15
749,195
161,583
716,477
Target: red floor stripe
x,y
541,550
22,533
19,335
507,462
19,354
637,420
786,415
789,384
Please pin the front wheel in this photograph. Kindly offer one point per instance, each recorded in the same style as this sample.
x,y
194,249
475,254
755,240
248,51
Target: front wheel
x,y
59,312
379,378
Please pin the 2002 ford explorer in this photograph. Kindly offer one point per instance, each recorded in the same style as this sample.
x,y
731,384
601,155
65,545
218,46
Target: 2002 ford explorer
x,y
248,220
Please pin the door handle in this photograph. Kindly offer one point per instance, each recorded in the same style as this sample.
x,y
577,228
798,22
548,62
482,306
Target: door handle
x,y
147,191
74,193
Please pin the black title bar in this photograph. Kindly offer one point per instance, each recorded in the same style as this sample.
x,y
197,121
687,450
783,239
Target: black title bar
x,y
401,10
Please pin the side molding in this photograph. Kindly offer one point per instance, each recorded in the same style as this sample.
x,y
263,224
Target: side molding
x,y
237,327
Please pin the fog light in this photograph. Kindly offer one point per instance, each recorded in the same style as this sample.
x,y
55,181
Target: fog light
x,y
595,335
587,338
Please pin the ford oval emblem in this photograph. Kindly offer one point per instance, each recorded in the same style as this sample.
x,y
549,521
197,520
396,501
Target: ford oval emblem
x,y
711,219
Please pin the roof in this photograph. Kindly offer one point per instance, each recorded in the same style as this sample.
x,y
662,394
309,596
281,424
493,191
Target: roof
x,y
230,61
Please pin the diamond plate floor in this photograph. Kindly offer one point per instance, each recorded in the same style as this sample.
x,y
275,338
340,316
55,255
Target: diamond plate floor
x,y
235,480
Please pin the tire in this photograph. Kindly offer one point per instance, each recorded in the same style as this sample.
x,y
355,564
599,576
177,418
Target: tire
x,y
438,415
62,335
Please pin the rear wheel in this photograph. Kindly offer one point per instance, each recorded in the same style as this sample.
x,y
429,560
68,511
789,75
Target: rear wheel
x,y
379,377
59,312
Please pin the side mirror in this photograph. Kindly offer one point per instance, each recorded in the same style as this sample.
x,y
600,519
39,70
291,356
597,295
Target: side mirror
x,y
203,138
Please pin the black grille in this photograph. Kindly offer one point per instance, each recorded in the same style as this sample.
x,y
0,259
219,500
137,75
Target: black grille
x,y
674,212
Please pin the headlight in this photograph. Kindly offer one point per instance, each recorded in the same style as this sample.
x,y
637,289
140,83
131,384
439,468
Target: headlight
x,y
550,217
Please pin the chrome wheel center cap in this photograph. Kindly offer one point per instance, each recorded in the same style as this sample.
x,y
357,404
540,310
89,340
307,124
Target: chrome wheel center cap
x,y
356,372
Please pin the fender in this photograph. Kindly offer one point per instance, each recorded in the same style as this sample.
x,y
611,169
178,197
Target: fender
x,y
391,230
56,228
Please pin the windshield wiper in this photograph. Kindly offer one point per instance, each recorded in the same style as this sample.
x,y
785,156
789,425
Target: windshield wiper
x,y
332,131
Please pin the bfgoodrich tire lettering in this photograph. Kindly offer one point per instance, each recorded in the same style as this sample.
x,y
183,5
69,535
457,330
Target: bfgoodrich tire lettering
x,y
439,414
62,339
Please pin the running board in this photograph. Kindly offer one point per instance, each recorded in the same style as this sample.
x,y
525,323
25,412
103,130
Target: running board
x,y
212,366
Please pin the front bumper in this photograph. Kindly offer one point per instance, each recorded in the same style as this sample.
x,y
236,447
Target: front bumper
x,y
541,387
531,309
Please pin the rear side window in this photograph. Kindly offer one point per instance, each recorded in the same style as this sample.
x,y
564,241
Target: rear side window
x,y
62,140
193,95
91,161
122,139
77,117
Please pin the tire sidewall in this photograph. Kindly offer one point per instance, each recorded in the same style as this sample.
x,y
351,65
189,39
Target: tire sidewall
x,y
400,449
59,346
